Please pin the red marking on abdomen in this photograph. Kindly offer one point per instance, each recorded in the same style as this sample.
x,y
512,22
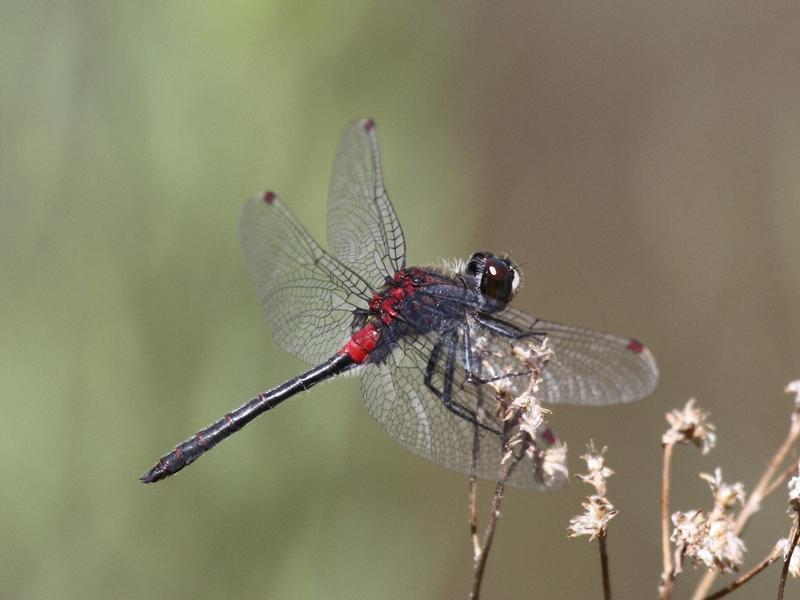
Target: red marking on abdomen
x,y
361,343
369,124
268,197
635,346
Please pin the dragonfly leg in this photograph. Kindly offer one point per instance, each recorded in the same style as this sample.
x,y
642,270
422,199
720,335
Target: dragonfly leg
x,y
469,359
446,393
506,329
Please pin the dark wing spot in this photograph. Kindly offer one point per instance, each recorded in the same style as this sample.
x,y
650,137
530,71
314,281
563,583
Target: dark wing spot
x,y
369,124
635,346
269,197
549,436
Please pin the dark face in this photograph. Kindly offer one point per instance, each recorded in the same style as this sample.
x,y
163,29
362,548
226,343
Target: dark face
x,y
495,277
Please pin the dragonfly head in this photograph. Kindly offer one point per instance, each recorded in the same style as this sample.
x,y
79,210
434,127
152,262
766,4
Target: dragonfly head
x,y
494,276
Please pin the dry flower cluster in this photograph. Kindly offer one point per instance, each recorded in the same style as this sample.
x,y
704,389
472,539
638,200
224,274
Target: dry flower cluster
x,y
709,538
690,425
524,426
597,510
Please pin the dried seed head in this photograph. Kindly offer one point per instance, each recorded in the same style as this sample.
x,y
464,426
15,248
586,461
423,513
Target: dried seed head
x,y
688,527
597,512
690,425
793,387
514,376
710,539
554,462
722,548
794,491
528,413
597,472
725,495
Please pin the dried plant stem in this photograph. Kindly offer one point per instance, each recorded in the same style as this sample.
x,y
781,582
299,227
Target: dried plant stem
x,y
790,472
768,560
483,551
794,537
473,484
668,575
473,516
766,485
601,541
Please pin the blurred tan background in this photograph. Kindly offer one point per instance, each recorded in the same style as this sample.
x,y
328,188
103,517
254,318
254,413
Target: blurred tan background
x,y
642,161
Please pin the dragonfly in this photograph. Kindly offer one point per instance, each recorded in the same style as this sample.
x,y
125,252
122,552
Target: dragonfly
x,y
432,345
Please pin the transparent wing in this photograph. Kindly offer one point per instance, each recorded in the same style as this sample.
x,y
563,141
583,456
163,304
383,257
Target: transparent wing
x,y
363,230
589,367
307,295
396,394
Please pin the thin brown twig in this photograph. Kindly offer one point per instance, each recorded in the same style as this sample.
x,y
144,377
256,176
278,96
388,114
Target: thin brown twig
x,y
473,481
764,487
668,575
767,561
601,542
494,516
753,503
790,472
795,536
473,516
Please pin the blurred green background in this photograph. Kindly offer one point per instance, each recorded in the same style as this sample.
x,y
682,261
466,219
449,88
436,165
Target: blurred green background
x,y
642,161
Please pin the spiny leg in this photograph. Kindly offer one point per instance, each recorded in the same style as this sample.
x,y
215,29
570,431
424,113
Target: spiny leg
x,y
507,329
446,393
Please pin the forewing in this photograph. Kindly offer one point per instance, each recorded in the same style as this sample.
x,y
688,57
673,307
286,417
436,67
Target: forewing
x,y
413,415
363,230
588,367
307,295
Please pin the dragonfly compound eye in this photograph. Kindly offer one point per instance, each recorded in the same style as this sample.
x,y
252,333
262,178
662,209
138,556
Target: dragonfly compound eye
x,y
500,279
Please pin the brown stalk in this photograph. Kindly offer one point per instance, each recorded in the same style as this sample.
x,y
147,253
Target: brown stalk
x,y
601,541
483,551
473,516
734,585
668,575
795,536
